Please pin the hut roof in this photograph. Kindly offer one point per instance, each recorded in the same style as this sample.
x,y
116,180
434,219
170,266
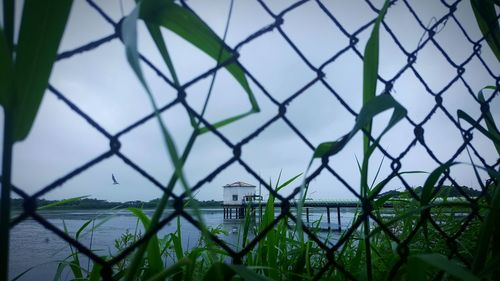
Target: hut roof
x,y
239,184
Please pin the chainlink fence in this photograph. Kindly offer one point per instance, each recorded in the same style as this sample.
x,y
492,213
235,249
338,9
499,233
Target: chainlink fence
x,y
429,31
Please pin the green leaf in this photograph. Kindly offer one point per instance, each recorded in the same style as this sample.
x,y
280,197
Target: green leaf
x,y
74,264
452,268
129,36
95,273
22,273
247,274
370,67
375,106
155,32
490,122
62,202
374,191
6,73
286,183
77,235
171,271
153,253
430,183
219,271
489,231
491,266
41,30
59,271
485,13
176,240
495,138
189,26
415,269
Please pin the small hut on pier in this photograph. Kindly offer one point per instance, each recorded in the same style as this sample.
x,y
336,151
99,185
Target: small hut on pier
x,y
236,195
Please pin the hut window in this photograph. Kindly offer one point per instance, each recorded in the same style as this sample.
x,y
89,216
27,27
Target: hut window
x,y
235,197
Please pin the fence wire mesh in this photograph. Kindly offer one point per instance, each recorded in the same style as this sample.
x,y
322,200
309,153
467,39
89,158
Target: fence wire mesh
x,y
419,138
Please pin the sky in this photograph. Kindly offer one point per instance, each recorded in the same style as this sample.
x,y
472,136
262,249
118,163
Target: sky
x,y
101,83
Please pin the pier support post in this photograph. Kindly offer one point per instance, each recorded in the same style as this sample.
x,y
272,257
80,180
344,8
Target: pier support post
x,y
230,212
328,214
338,218
307,214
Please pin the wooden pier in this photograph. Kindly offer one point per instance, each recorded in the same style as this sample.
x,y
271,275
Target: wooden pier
x,y
238,211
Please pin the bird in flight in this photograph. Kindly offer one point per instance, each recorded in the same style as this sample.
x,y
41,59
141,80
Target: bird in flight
x,y
114,179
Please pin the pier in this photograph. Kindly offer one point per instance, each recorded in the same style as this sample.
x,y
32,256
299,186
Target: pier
x,y
237,211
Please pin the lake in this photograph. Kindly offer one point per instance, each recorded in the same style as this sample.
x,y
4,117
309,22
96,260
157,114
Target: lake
x,y
33,246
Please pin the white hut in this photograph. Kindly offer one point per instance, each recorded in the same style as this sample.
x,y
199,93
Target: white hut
x,y
238,192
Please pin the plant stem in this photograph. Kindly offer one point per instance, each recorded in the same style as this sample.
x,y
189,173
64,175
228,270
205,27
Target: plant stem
x,y
5,200
366,220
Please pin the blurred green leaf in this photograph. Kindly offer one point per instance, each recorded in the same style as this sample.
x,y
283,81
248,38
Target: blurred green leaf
x,y
41,30
415,269
153,253
171,271
62,202
486,17
490,230
219,271
77,235
95,273
189,26
451,267
247,274
6,73
490,122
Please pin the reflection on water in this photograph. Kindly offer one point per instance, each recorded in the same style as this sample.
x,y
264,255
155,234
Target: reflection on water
x,y
32,246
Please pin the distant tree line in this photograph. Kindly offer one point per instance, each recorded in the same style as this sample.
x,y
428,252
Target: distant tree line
x,y
445,191
91,203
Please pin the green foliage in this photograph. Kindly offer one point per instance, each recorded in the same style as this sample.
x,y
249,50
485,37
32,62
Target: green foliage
x,y
487,20
25,68
25,76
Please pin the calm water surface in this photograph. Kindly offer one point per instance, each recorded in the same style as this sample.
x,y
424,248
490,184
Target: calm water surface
x,y
33,246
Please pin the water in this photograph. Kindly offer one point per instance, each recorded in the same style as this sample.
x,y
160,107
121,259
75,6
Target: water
x,y
33,246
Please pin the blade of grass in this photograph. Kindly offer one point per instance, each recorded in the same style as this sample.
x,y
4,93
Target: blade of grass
x,y
189,26
171,271
489,230
9,8
490,122
452,268
153,252
247,274
374,107
219,271
41,30
430,183
495,138
95,274
370,68
486,17
6,72
62,202
129,34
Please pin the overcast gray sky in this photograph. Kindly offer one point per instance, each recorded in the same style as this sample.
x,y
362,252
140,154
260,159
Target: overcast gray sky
x,y
102,84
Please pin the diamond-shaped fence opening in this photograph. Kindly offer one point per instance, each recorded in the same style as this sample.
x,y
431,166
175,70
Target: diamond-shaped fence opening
x,y
270,103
